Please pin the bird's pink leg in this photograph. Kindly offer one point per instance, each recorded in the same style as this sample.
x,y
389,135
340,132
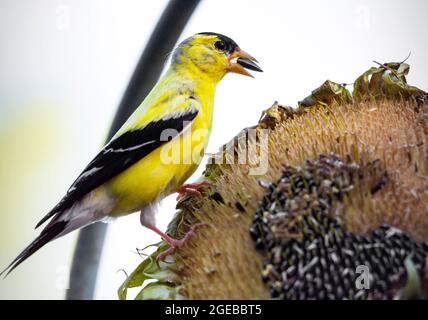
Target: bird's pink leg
x,y
191,189
174,243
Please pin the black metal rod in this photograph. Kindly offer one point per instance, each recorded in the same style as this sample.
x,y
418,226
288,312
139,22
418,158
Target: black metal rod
x,y
89,246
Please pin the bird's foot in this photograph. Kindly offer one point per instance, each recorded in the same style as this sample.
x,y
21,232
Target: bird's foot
x,y
177,243
191,189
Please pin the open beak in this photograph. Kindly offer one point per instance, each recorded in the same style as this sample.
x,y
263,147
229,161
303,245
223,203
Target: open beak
x,y
240,61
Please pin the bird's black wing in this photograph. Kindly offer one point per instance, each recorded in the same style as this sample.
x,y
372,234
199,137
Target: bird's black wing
x,y
121,153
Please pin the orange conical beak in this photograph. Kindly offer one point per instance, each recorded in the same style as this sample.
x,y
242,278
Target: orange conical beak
x,y
239,60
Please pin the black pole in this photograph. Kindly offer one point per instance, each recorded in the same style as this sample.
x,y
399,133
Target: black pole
x,y
162,40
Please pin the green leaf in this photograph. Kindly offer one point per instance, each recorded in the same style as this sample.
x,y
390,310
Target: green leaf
x,y
412,290
361,84
149,269
327,94
159,291
386,81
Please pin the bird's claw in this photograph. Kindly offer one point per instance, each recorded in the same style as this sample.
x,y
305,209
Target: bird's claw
x,y
191,189
177,243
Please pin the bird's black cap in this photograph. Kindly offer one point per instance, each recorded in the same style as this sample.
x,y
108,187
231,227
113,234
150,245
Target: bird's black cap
x,y
230,45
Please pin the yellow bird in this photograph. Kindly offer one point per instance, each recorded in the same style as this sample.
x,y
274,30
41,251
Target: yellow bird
x,y
156,150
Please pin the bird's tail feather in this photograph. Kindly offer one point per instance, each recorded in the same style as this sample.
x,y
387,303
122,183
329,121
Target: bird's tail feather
x,y
51,231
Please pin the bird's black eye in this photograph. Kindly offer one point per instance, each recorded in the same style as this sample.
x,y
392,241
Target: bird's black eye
x,y
220,45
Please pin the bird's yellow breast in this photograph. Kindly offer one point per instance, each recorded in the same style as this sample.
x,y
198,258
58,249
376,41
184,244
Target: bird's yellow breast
x,y
165,169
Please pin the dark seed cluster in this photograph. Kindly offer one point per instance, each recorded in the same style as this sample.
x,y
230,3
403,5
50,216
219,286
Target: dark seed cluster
x,y
311,254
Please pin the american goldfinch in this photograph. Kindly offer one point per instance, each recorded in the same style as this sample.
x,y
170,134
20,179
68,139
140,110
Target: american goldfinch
x,y
135,169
